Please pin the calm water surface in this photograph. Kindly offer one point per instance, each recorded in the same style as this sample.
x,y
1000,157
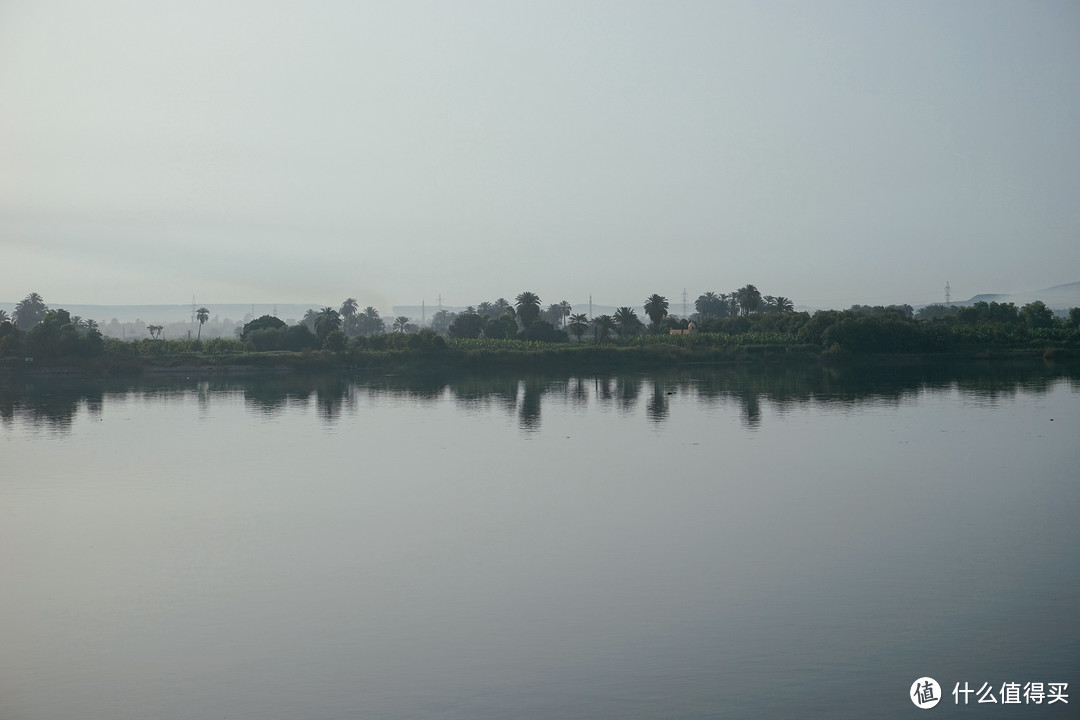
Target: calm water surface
x,y
702,545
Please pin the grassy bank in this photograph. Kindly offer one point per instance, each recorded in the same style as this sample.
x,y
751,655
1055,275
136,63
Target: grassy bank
x,y
492,355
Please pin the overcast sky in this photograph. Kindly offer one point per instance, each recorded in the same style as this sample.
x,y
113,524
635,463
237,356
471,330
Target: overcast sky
x,y
830,152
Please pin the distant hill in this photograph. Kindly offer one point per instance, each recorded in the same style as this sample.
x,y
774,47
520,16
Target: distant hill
x,y
1058,297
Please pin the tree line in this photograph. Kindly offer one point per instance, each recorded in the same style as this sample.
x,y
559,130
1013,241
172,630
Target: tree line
x,y
745,314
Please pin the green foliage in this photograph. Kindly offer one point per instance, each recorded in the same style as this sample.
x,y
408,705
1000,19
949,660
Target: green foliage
x,y
870,334
55,336
276,335
710,306
543,331
265,322
369,323
904,311
1037,315
202,315
335,342
441,320
503,327
29,312
10,340
936,311
983,313
748,298
426,341
602,326
579,323
656,307
466,325
327,321
627,323
528,307
813,329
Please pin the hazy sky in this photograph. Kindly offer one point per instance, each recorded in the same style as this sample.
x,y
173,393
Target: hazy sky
x,y
831,152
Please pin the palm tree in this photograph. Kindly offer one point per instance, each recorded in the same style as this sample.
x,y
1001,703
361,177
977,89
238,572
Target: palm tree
x,y
328,321
626,322
401,322
749,299
309,319
91,324
578,325
567,308
4,316
29,311
708,305
369,322
528,307
348,311
783,304
604,324
202,315
656,307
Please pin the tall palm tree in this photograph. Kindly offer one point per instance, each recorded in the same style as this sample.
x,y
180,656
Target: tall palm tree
x,y
528,307
567,308
369,322
626,322
602,326
783,304
656,307
578,325
29,311
708,305
309,319
348,311
4,316
749,299
202,315
401,322
327,322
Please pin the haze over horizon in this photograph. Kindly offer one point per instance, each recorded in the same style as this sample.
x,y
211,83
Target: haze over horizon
x,y
834,153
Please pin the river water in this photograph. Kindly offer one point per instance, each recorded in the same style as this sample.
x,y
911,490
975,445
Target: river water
x,y
705,544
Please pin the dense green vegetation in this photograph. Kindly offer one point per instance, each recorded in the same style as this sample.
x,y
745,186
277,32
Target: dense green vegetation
x,y
742,326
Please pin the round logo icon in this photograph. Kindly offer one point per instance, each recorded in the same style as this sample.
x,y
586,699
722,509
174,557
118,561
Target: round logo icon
x,y
925,693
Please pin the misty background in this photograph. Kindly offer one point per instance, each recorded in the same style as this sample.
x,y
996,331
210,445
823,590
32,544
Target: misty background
x,y
276,152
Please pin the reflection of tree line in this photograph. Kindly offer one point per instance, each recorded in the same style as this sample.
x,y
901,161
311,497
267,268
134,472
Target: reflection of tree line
x,y
55,402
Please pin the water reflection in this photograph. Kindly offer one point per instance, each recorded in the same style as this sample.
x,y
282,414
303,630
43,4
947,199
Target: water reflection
x,y
52,404
658,408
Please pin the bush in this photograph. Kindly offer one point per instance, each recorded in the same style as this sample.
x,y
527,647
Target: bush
x,y
543,331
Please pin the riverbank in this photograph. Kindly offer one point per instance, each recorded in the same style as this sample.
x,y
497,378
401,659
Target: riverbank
x,y
589,358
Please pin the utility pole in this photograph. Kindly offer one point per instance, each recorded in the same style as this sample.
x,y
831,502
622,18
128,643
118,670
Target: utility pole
x,y
684,302
423,312
948,293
